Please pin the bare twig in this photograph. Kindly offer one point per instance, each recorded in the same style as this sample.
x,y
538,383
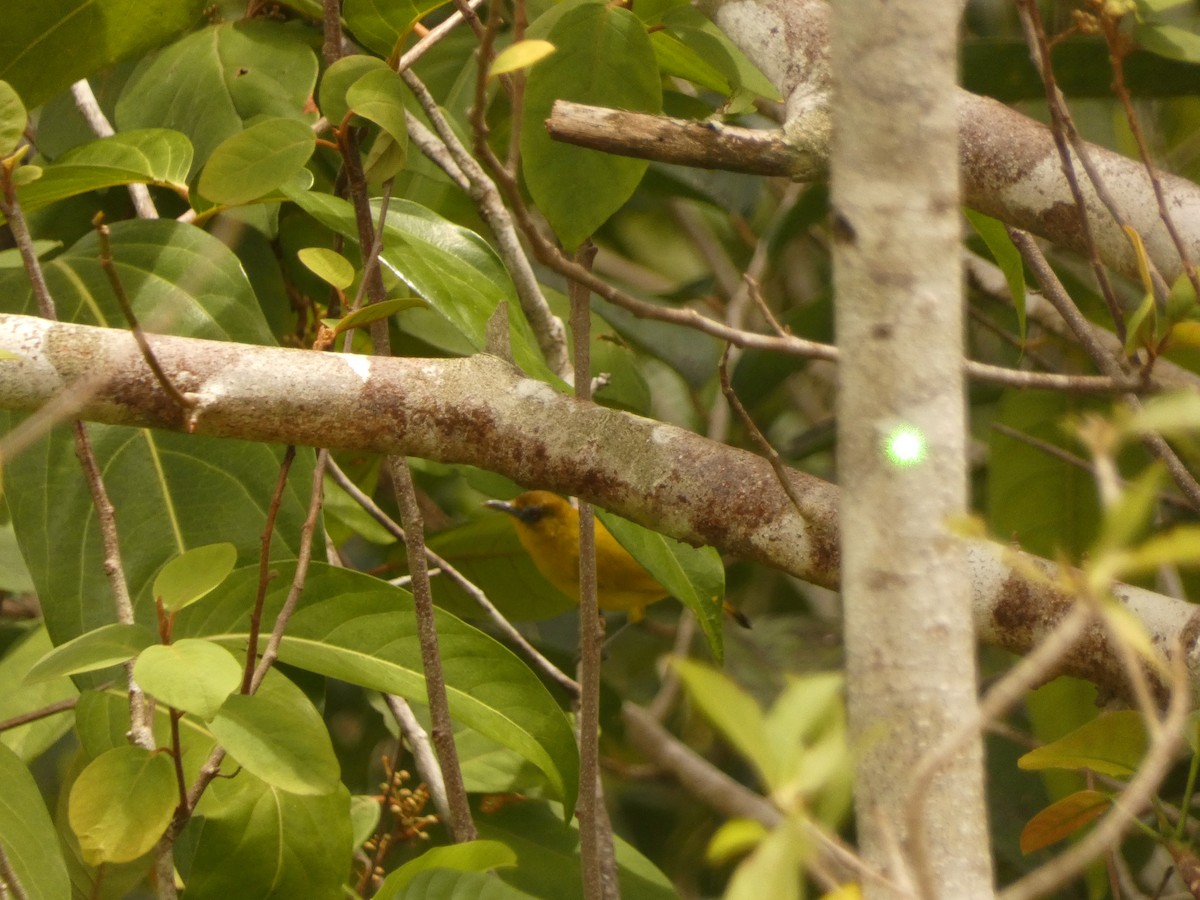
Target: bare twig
x,y
483,191
300,576
1063,129
264,568
422,751
114,279
36,714
686,142
591,627
10,885
1053,290
435,36
89,107
1006,692
460,823
1117,49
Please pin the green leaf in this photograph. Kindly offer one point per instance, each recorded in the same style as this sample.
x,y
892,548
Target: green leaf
x,y
365,813
13,119
1162,39
734,713
1044,502
520,55
193,574
32,739
171,491
27,835
254,162
190,675
1062,819
604,58
121,804
1007,257
11,258
1111,744
328,265
1181,301
1178,547
676,58
774,868
379,97
548,856
99,648
367,314
45,47
339,78
381,24
278,735
453,269
249,839
151,156
1174,414
358,629
236,72
472,856
451,884
1129,517
698,33
693,575
1142,326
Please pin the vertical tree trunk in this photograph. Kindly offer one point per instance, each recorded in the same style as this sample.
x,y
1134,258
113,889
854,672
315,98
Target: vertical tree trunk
x,y
901,414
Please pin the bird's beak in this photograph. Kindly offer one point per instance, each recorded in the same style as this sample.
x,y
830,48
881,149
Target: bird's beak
x,y
502,506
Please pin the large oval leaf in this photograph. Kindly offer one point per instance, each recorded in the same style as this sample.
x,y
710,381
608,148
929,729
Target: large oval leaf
x,y
254,162
121,804
380,24
171,491
27,834
359,629
249,839
190,675
603,58
150,156
46,46
279,736
210,84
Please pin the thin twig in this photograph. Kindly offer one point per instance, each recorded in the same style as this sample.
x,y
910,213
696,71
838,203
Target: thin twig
x,y
540,662
1117,50
89,107
1053,291
300,576
9,883
460,824
435,35
264,567
183,401
591,626
484,192
1063,128
422,751
36,714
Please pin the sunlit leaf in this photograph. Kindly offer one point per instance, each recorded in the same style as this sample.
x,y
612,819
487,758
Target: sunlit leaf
x,y
189,675
1111,744
121,804
99,648
520,55
193,574
1062,819
13,119
328,265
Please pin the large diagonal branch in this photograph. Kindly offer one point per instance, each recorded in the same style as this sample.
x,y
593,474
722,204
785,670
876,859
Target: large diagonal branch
x,y
482,411
1009,164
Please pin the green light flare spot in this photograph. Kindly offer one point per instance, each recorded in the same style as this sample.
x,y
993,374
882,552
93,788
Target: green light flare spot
x,y
905,446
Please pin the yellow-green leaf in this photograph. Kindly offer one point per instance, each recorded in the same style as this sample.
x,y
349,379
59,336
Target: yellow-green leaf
x,y
520,55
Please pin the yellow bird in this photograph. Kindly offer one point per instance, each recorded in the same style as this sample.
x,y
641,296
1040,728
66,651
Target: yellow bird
x,y
548,527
